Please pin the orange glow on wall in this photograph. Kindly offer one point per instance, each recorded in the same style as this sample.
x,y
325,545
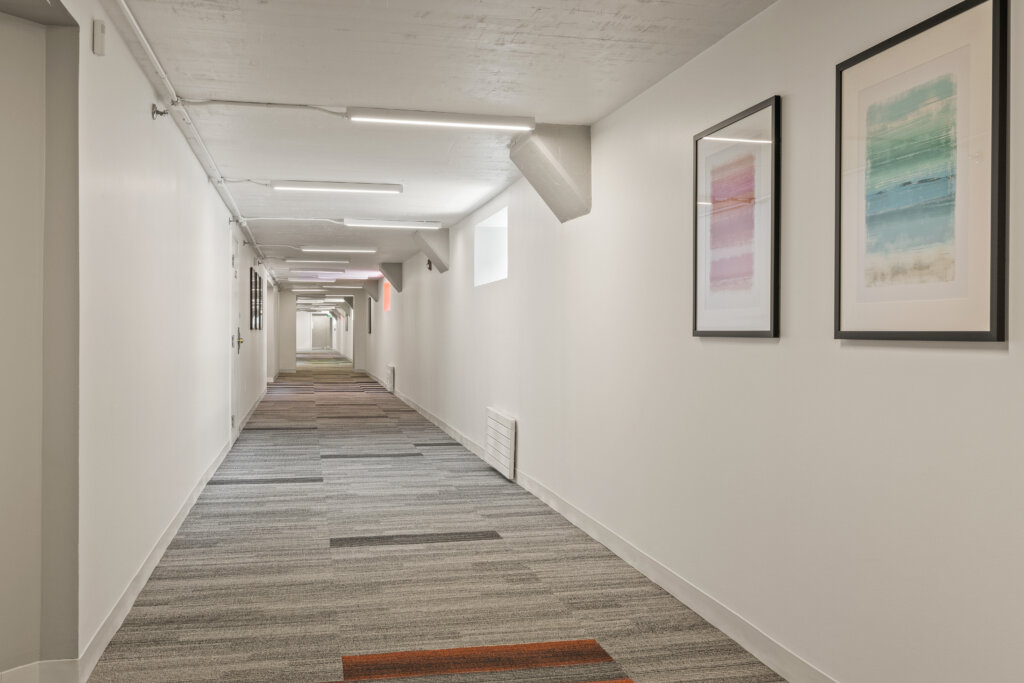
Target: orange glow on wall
x,y
387,295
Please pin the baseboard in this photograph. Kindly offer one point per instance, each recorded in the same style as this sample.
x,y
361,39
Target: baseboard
x,y
52,671
79,670
451,431
774,655
245,420
94,650
448,429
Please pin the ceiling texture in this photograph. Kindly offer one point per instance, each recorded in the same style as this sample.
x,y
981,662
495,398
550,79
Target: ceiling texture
x,y
559,61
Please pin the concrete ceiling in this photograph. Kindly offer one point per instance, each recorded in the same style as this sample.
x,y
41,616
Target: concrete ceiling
x,y
560,61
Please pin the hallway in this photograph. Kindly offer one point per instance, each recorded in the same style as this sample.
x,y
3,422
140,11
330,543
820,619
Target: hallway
x,y
343,523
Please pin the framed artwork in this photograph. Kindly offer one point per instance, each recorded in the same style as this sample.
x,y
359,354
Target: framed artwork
x,y
259,301
255,300
369,316
252,298
736,225
921,181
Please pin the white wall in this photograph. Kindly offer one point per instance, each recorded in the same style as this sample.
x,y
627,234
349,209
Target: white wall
x,y
859,503
270,325
155,324
361,341
286,331
59,608
38,414
303,331
22,196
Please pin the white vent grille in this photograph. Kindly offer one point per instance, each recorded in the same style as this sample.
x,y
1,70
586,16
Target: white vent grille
x,y
500,449
389,378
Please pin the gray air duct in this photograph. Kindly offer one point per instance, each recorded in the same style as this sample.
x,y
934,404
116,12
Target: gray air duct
x,y
556,162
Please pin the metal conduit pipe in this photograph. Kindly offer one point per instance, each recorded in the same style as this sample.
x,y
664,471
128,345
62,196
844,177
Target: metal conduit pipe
x,y
186,126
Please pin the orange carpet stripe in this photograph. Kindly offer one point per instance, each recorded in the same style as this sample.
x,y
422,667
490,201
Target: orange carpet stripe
x,y
472,660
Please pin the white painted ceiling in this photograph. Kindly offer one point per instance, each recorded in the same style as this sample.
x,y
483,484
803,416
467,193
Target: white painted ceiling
x,y
560,61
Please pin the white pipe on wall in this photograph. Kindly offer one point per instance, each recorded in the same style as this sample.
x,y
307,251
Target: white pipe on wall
x,y
185,123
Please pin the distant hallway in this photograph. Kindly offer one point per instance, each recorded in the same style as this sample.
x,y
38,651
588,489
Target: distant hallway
x,y
345,538
321,360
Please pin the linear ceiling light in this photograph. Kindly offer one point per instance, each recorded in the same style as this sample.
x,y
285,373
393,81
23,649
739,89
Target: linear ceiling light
x,y
343,287
295,219
440,119
756,142
409,225
322,250
311,280
309,291
292,260
310,186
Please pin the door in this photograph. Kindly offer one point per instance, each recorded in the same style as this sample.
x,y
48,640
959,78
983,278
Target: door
x,y
321,332
237,330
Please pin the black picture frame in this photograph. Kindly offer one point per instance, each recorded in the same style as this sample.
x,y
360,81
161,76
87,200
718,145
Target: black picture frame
x,y
255,300
774,104
252,298
259,301
997,194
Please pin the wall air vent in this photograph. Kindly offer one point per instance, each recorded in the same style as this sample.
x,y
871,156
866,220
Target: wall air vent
x,y
500,447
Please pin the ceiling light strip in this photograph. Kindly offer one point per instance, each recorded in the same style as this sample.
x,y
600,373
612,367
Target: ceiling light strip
x,y
336,221
375,223
332,250
440,119
755,142
323,186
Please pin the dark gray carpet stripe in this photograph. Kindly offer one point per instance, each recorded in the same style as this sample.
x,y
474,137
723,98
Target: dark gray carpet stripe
x,y
437,443
354,456
415,539
268,480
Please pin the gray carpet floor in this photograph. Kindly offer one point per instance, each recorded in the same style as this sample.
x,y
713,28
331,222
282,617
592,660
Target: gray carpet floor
x,y
344,523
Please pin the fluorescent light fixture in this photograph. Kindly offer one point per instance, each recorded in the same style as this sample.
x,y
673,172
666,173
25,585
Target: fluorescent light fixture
x,y
320,250
316,273
704,204
309,291
409,225
310,186
756,142
440,119
343,287
292,260
334,221
309,280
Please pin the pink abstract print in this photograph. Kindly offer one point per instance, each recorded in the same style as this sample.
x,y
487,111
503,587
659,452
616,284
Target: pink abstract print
x,y
732,225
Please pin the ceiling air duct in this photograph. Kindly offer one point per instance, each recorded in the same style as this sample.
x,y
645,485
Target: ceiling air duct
x,y
556,162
